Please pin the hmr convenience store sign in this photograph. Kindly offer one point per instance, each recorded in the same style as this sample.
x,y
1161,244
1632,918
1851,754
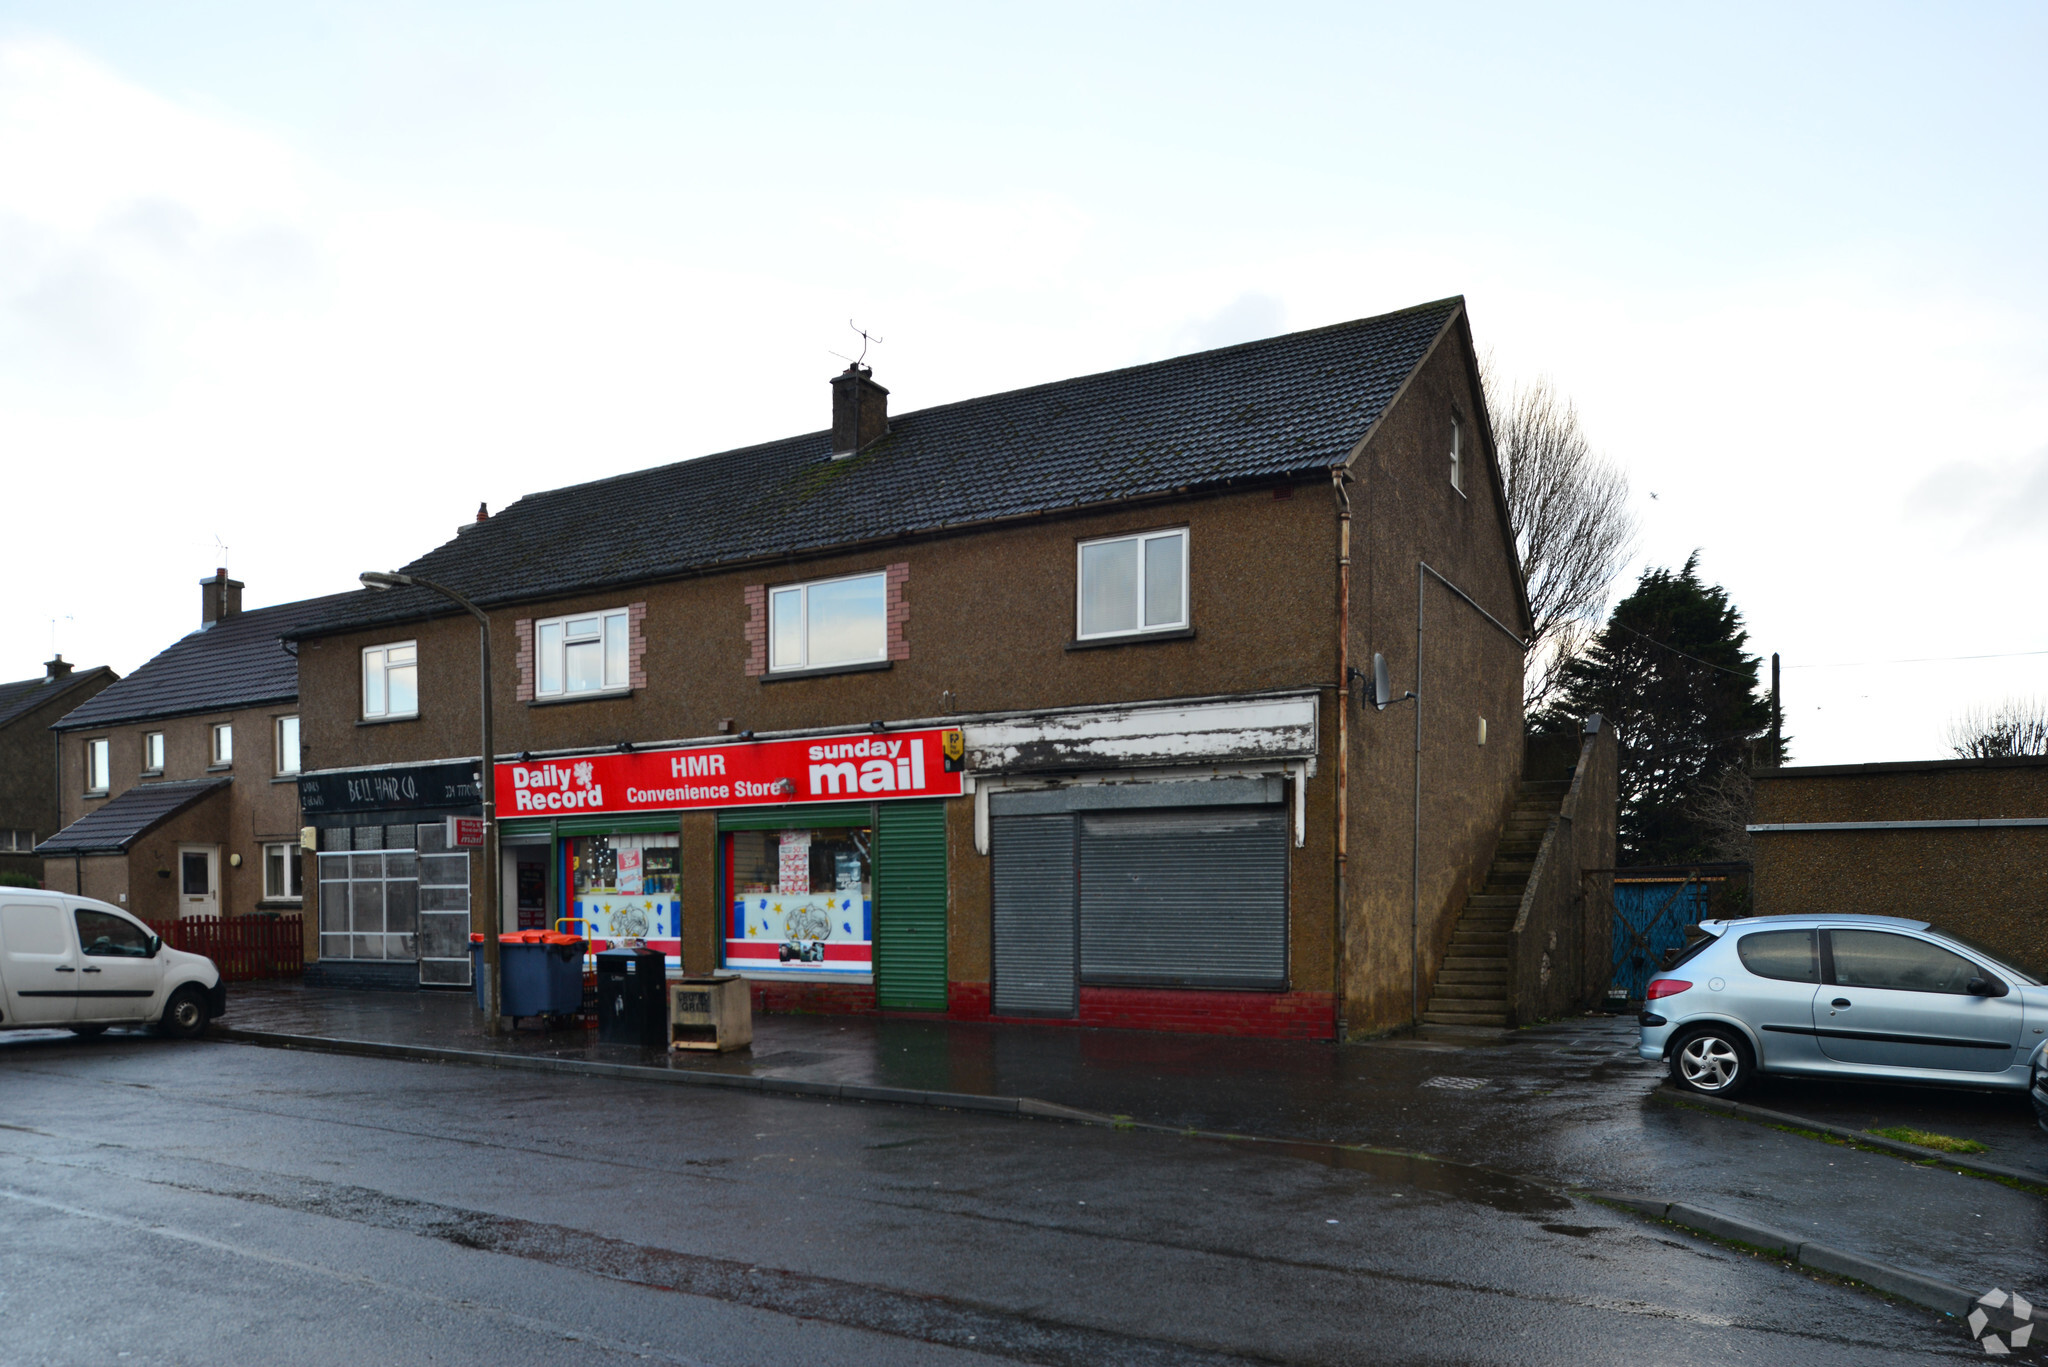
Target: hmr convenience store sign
x,y
864,768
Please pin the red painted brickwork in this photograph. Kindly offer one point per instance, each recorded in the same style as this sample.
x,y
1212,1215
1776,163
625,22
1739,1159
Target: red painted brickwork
x,y
757,630
1261,1015
636,645
899,611
523,628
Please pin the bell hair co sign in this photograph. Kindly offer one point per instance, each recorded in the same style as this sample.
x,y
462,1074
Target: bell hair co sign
x,y
872,767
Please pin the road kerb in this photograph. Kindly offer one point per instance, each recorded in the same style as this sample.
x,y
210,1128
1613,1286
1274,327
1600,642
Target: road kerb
x,y
1745,1111
1907,1285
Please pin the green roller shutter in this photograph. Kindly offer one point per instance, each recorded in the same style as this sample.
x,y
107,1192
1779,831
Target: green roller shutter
x,y
910,906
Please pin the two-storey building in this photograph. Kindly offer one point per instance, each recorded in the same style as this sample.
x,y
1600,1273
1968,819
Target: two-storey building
x,y
1045,705
29,806
179,783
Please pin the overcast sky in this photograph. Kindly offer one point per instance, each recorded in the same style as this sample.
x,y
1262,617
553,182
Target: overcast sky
x,y
313,280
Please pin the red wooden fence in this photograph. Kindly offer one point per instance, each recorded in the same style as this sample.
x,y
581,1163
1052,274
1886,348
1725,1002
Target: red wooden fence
x,y
242,947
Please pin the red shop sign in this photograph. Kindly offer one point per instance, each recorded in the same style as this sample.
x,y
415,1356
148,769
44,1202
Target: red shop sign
x,y
863,767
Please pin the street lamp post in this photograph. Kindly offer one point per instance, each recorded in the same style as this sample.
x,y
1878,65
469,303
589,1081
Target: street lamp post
x,y
483,919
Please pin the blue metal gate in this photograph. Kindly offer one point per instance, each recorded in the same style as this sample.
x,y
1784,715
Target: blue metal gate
x,y
1650,917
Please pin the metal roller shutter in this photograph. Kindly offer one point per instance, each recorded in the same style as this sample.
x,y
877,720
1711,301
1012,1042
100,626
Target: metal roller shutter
x,y
910,906
1185,897
1031,860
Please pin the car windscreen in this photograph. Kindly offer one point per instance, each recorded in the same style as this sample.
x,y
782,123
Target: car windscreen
x,y
1992,957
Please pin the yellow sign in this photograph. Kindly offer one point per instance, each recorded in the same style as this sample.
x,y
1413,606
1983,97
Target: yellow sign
x,y
954,744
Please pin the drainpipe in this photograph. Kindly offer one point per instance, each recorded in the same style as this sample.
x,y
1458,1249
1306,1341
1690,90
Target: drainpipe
x,y
1338,478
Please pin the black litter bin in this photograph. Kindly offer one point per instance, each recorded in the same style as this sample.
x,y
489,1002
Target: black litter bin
x,y
632,998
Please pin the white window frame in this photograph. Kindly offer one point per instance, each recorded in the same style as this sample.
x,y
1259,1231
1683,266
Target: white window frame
x,y
277,730
382,654
221,745
98,765
1080,586
294,873
777,665
18,841
605,618
1457,454
152,752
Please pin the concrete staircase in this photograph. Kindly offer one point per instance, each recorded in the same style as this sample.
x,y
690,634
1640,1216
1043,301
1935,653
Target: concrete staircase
x,y
1472,986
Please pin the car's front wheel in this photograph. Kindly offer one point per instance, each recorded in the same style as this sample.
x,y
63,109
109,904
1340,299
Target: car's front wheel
x,y
185,1014
1713,1061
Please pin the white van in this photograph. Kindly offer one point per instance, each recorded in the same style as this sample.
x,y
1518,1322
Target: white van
x,y
76,964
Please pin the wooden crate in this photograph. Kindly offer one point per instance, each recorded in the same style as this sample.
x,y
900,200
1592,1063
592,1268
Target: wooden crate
x,y
710,1013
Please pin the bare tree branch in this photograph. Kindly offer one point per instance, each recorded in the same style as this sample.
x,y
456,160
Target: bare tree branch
x,y
1569,511
2017,726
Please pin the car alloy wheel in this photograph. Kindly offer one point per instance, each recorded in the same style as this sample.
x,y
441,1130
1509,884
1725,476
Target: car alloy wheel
x,y
1710,1062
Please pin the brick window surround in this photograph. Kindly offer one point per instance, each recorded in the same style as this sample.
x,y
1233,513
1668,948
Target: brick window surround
x,y
896,614
636,650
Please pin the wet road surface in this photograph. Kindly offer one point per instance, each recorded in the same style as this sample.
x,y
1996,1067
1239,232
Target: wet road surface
x,y
220,1203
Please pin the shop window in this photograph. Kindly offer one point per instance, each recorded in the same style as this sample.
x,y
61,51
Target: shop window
x,y
282,876
1133,584
828,623
586,654
369,894
391,681
287,745
800,901
223,743
97,774
627,886
152,752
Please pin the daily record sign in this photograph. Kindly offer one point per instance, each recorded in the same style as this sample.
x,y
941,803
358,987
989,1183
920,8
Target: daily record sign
x,y
864,768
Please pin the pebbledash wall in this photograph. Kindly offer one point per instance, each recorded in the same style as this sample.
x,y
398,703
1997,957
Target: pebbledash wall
x,y
1203,759
1962,843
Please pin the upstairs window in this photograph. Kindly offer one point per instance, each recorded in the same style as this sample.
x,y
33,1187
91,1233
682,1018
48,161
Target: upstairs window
x,y
584,654
828,623
152,752
98,774
391,681
1457,455
224,743
287,745
1133,584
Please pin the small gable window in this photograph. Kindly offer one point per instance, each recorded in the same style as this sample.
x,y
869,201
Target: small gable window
x,y
1457,454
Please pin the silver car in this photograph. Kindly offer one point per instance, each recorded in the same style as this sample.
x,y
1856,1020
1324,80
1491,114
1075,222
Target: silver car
x,y
1872,997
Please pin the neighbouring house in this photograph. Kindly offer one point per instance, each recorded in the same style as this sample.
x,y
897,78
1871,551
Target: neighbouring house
x,y
29,806
1050,705
1962,843
179,783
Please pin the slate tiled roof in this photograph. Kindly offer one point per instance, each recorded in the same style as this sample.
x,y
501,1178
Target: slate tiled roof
x,y
19,699
116,826
236,662
1267,409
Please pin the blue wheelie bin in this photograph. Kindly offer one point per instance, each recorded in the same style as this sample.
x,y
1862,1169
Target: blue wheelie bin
x,y
541,973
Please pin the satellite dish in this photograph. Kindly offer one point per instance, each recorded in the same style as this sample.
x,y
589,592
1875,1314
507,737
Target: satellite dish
x,y
1382,690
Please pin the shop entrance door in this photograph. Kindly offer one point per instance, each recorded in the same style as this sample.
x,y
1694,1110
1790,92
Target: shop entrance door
x,y
198,880
443,909
1037,935
910,906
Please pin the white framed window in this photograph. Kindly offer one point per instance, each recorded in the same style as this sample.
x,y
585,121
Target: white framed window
x,y
283,873
586,653
223,743
98,774
152,752
829,622
287,745
1127,585
20,842
391,680
1457,454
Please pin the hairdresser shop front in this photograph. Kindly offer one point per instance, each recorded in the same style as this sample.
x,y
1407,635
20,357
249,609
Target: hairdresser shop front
x,y
815,866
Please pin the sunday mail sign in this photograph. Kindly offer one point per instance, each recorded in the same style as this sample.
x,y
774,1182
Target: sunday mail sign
x,y
865,768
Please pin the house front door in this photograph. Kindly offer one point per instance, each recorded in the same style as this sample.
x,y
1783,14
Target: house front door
x,y
198,880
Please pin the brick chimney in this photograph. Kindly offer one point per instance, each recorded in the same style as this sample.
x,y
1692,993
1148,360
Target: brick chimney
x,y
219,597
860,410
56,668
